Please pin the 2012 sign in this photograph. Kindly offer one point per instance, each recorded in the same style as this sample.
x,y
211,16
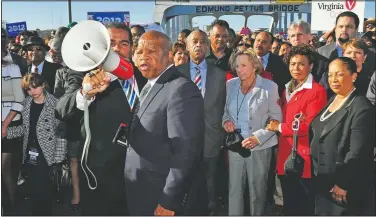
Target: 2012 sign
x,y
106,17
14,29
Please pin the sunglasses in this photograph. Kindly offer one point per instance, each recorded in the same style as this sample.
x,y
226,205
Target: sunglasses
x,y
370,25
245,44
35,49
296,122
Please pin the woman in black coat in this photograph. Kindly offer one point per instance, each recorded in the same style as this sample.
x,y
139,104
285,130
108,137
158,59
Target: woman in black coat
x,y
342,140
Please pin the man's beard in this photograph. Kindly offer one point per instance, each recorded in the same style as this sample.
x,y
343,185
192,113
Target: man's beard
x,y
343,40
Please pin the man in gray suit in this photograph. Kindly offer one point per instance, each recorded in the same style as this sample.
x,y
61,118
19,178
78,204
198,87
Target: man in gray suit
x,y
164,158
211,81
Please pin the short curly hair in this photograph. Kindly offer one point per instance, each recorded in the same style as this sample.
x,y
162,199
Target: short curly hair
x,y
176,46
304,50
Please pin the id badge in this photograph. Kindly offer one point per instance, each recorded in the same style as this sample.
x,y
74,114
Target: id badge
x,y
33,155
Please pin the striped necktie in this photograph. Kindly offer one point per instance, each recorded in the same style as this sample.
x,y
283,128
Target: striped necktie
x,y
130,91
198,78
262,62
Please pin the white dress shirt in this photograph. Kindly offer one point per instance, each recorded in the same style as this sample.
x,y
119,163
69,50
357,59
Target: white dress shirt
x,y
40,67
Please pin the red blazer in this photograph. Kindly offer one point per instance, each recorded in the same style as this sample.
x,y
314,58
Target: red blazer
x,y
310,102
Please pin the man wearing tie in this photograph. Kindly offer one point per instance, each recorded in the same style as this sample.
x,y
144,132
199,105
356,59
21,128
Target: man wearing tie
x,y
36,51
211,81
111,104
271,62
164,159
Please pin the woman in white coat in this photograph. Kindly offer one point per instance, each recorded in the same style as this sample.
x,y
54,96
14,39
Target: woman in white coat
x,y
250,103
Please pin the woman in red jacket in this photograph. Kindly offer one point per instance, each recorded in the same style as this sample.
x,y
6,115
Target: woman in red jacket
x,y
302,95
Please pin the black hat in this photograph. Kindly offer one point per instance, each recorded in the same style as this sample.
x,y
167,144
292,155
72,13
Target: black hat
x,y
34,40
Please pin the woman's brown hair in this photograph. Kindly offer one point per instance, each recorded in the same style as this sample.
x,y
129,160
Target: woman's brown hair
x,y
33,80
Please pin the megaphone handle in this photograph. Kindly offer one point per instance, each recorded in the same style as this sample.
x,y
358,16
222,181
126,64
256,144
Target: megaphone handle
x,y
86,87
87,143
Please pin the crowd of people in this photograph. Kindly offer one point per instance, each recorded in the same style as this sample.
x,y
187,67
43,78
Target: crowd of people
x,y
211,121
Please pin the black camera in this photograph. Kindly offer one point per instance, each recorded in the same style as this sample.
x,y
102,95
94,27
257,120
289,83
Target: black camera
x,y
121,136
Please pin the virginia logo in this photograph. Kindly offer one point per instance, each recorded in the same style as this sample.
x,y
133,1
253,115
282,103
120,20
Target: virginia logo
x,y
350,4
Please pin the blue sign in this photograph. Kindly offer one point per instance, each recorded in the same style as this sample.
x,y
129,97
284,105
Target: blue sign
x,y
105,17
14,28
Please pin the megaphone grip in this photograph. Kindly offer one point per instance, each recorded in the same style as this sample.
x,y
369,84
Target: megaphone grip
x,y
124,70
86,87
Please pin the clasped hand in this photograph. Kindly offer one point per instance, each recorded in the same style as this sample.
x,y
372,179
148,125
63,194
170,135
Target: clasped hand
x,y
273,125
98,80
247,143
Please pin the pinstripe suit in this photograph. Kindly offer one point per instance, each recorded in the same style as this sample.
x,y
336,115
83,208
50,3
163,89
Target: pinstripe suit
x,y
50,131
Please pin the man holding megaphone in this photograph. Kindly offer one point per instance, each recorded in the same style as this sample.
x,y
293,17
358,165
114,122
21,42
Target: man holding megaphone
x,y
111,101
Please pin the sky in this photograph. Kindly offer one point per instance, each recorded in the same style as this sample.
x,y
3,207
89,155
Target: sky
x,y
53,14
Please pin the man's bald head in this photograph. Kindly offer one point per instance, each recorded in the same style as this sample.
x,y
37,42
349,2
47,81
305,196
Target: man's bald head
x,y
151,56
158,38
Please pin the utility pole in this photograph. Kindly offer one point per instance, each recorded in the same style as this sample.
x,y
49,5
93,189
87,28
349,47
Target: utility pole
x,y
70,11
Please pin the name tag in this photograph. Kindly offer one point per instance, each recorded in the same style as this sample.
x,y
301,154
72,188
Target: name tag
x,y
34,153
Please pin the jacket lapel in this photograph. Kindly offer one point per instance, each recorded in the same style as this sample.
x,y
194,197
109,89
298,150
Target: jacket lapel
x,y
210,91
339,115
256,88
45,107
186,70
154,90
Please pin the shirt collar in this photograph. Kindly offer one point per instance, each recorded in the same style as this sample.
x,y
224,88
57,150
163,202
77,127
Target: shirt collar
x,y
202,65
40,67
265,57
306,85
154,80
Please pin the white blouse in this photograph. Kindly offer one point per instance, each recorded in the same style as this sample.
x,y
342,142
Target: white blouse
x,y
11,91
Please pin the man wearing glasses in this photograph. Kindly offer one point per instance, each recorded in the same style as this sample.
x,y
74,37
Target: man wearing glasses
x,y
36,52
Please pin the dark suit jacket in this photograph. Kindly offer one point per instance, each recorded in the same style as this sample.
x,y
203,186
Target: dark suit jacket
x,y
49,73
343,154
320,65
21,62
163,164
214,101
105,159
279,70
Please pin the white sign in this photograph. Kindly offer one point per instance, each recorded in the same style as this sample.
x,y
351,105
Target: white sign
x,y
324,13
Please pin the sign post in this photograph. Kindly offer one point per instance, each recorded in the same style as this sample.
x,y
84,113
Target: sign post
x,y
14,29
324,13
106,17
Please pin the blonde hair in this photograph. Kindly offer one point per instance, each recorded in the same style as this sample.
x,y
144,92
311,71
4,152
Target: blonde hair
x,y
252,57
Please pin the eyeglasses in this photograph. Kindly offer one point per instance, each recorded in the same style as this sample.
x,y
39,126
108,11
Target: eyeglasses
x,y
35,49
296,122
245,44
370,26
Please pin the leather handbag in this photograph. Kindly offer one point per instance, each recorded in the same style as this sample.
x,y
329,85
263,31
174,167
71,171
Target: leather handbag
x,y
234,143
61,175
294,165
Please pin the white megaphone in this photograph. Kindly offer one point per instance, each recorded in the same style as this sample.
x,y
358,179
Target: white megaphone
x,y
87,45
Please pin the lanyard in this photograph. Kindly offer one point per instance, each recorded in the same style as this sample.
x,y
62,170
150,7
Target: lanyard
x,y
241,103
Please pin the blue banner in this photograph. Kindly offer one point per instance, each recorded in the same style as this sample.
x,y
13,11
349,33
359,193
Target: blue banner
x,y
14,28
105,17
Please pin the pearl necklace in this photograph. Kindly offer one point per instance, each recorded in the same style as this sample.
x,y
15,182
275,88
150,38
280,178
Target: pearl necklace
x,y
323,117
